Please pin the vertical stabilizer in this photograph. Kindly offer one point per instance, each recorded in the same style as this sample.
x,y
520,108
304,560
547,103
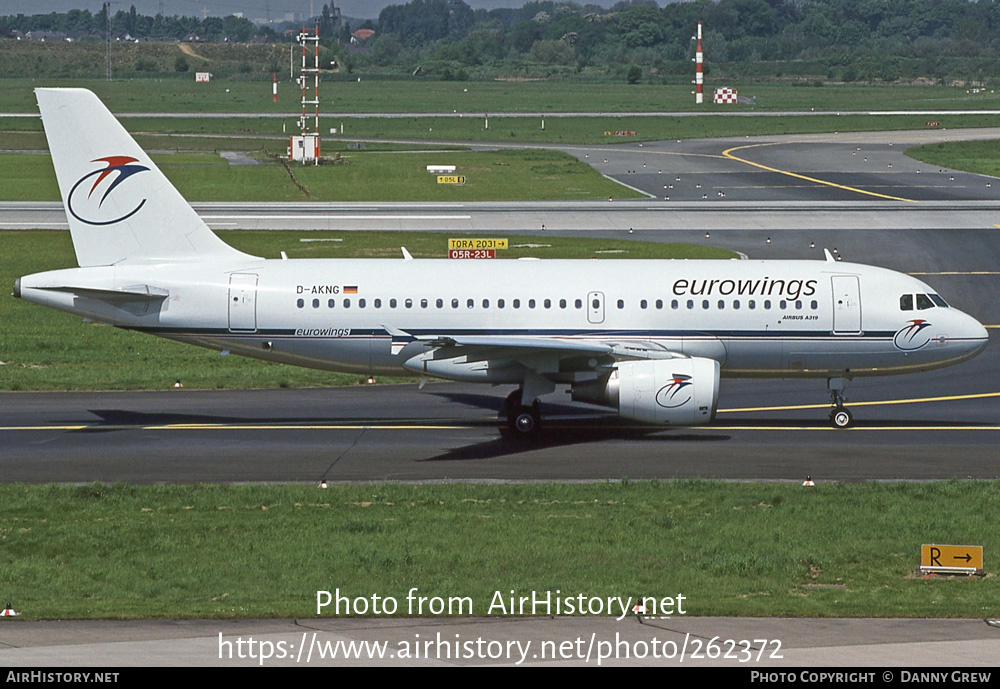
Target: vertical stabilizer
x,y
120,207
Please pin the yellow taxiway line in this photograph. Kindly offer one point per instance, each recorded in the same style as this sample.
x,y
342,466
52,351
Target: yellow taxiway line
x,y
949,398
728,153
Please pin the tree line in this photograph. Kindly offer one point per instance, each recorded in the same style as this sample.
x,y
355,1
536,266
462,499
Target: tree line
x,y
84,23
844,40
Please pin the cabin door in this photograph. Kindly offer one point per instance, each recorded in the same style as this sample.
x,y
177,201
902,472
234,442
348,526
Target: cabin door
x,y
242,303
846,305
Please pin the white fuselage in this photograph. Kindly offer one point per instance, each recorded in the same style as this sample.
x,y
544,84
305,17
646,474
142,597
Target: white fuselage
x,y
756,318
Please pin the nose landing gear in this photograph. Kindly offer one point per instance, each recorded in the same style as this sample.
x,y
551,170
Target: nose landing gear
x,y
840,416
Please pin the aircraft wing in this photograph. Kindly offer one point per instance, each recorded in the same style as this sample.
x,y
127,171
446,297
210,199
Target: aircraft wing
x,y
529,349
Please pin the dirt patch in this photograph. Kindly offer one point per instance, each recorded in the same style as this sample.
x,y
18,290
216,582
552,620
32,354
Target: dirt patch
x,y
188,50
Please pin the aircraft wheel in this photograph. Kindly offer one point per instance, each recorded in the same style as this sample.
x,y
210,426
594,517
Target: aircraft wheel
x,y
524,421
841,417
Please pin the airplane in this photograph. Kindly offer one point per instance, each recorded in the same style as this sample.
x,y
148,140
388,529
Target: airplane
x,y
648,338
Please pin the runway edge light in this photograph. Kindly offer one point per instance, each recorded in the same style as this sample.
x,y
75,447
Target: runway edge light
x,y
9,612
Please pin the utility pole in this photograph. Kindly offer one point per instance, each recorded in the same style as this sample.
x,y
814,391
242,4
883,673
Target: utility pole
x,y
107,32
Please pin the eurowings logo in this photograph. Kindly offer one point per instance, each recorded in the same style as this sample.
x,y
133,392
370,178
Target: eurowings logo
x,y
87,205
909,338
675,394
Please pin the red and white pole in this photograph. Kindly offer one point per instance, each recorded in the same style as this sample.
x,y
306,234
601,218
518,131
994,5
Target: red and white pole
x,y
274,87
699,76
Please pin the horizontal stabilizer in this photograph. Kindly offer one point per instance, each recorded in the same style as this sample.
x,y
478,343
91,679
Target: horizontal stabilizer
x,y
133,293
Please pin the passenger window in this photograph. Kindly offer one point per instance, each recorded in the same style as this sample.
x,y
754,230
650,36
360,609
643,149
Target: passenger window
x,y
578,303
924,302
300,303
562,303
704,304
330,304
798,304
500,303
392,303
736,304
423,303
315,303
642,304
531,303
361,303
378,303
486,303
906,302
469,303
690,303
548,303
454,303
517,303
722,305
674,304
409,303
783,304
439,303
752,304
347,303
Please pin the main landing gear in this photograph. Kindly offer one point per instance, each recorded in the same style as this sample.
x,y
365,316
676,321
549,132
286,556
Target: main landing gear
x,y
840,416
522,420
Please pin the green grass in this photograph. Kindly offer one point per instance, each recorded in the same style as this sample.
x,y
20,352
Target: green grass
x,y
345,94
43,349
532,175
256,133
982,157
848,550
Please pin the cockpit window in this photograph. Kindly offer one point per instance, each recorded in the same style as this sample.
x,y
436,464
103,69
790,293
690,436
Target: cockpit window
x,y
906,302
924,302
938,300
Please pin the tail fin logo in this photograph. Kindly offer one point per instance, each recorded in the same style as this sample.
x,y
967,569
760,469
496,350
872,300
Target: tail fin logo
x,y
87,204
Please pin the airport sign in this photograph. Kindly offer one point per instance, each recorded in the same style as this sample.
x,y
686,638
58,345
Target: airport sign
x,y
956,559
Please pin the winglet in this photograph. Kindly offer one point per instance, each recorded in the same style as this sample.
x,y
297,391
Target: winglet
x,y
406,254
829,256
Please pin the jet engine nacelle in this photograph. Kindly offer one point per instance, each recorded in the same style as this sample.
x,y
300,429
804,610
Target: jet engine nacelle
x,y
675,392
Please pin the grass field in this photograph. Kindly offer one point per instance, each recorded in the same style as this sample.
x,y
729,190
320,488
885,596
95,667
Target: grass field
x,y
845,550
507,175
347,94
982,157
42,349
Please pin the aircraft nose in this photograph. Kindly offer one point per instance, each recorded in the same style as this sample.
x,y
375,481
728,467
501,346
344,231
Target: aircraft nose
x,y
974,336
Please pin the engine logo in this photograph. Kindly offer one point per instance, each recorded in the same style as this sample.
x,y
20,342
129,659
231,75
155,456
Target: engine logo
x,y
87,208
675,393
